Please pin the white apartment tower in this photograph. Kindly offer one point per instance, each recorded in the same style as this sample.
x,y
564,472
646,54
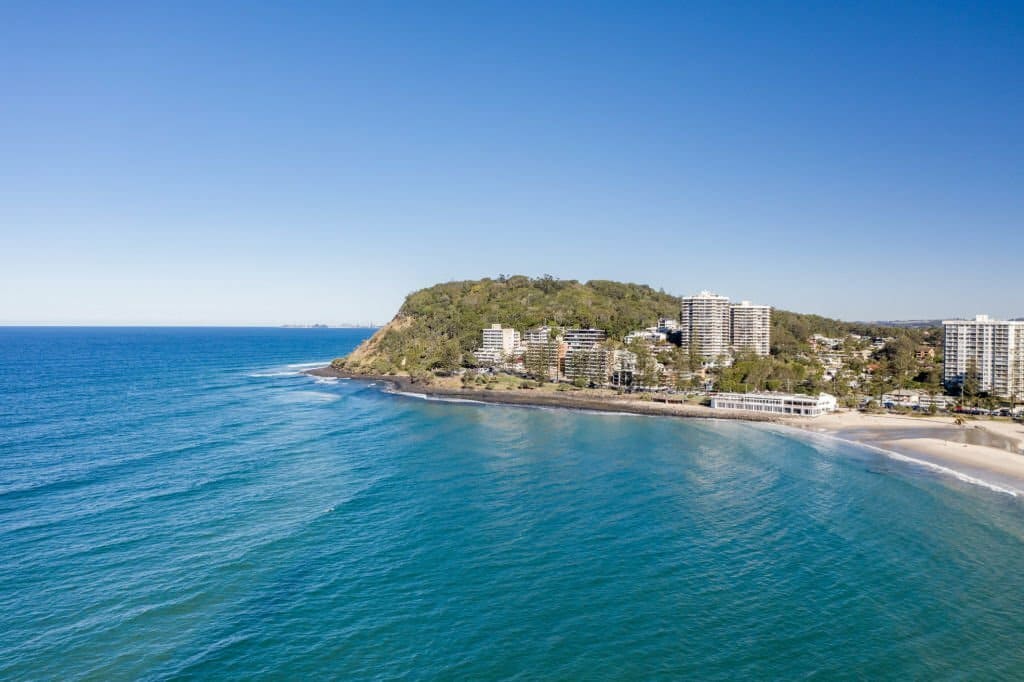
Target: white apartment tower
x,y
751,327
498,344
706,320
995,349
504,340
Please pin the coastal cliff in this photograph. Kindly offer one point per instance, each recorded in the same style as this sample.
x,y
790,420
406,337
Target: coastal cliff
x,y
437,328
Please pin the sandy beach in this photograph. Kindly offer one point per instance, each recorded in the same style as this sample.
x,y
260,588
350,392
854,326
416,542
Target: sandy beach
x,y
991,451
982,450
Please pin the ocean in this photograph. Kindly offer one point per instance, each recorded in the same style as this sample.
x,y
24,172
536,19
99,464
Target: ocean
x,y
184,503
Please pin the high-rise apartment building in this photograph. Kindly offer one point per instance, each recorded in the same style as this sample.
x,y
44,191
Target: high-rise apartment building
x,y
705,320
993,350
751,327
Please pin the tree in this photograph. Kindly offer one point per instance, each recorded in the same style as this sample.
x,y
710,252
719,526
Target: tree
x,y
646,374
539,361
449,356
695,357
969,385
899,356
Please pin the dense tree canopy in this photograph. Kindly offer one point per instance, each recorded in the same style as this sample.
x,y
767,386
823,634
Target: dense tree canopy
x,y
438,328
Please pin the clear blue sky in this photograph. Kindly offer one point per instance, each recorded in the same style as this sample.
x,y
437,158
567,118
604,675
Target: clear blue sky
x,y
254,163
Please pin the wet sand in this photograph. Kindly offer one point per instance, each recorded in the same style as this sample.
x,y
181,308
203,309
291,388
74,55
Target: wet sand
x,y
990,451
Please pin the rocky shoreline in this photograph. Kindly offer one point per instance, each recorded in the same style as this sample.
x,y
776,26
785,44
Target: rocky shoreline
x,y
569,400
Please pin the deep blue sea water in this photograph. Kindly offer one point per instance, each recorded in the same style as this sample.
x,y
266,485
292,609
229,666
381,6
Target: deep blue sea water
x,y
182,503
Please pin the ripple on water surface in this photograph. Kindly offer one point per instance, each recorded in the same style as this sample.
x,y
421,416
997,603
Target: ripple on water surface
x,y
191,505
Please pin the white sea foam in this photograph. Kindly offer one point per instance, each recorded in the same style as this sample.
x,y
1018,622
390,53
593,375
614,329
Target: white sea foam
x,y
317,396
290,370
900,457
438,399
326,380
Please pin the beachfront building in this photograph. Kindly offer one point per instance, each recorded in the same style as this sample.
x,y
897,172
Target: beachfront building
x,y
538,335
751,327
589,364
499,343
543,353
584,338
793,404
623,367
585,357
993,350
705,320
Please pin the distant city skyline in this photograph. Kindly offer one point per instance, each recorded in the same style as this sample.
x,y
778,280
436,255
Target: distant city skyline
x,y
270,164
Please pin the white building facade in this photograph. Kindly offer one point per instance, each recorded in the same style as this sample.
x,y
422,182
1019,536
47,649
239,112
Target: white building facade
x,y
792,404
542,351
717,326
585,357
584,338
994,349
499,343
751,327
706,320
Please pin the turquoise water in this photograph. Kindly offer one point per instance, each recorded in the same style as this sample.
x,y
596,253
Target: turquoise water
x,y
181,503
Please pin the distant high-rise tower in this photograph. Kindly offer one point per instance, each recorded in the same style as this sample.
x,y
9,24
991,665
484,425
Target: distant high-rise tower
x,y
993,350
706,321
751,327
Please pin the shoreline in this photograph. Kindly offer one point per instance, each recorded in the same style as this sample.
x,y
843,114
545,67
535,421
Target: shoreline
x,y
988,453
536,398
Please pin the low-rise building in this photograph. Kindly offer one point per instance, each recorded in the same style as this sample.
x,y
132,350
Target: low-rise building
x,y
651,336
940,402
667,324
902,398
623,367
819,342
776,403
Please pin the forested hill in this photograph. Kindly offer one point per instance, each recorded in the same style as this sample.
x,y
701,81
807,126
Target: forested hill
x,y
437,327
790,330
